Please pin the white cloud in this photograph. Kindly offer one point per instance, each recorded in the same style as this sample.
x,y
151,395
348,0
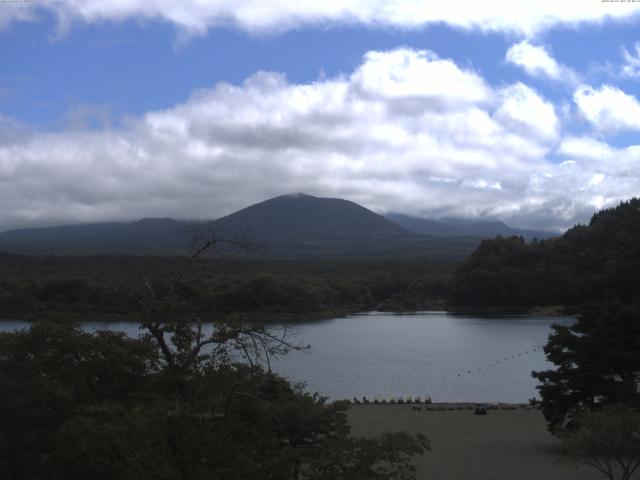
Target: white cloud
x,y
585,148
608,108
405,131
538,62
16,12
594,175
197,16
405,73
631,68
522,109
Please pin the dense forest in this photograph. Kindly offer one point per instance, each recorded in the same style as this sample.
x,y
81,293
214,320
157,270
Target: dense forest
x,y
595,262
93,286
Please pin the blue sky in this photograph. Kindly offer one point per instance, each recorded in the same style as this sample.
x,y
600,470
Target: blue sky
x,y
152,109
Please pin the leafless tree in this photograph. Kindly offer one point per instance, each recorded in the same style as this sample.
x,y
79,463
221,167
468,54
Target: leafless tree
x,y
182,340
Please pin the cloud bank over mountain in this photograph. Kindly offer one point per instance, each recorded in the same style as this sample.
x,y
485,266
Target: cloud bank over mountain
x,y
404,131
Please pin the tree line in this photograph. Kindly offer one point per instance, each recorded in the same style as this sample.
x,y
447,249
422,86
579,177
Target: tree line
x,y
89,286
595,262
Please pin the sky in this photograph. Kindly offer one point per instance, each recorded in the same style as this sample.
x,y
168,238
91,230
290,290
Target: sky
x,y
522,111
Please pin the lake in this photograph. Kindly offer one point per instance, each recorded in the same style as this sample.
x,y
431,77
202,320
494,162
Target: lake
x,y
381,355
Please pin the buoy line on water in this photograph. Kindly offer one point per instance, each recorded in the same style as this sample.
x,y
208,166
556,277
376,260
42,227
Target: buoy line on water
x,y
426,399
508,358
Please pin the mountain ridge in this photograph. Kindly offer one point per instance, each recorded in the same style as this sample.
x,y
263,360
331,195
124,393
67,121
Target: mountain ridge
x,y
294,225
459,227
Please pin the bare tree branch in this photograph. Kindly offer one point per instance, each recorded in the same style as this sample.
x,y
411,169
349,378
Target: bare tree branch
x,y
181,343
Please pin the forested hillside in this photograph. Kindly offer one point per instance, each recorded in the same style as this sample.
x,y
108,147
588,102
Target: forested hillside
x,y
596,262
93,286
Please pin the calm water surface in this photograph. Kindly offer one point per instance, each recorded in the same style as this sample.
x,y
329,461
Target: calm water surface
x,y
447,356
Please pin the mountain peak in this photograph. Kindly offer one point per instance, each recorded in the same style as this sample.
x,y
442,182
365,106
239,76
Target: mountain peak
x,y
299,217
296,195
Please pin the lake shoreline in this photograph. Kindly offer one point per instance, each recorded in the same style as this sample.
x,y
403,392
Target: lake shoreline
x,y
442,406
295,317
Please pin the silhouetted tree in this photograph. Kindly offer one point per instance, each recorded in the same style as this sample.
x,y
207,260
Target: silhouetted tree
x,y
608,440
184,401
597,363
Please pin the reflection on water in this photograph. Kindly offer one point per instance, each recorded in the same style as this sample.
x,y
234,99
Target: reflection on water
x,y
450,357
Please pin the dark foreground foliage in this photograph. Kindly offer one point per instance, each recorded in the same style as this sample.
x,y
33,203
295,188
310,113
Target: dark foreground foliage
x,y
76,405
597,364
183,401
598,262
608,439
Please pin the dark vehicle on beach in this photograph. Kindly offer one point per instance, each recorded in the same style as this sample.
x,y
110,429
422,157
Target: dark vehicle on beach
x,y
480,410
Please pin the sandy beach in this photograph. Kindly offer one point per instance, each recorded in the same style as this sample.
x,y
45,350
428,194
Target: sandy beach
x,y
502,445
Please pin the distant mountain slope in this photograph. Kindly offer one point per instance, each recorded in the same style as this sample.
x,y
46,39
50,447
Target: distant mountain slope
x,y
289,226
304,226
591,263
304,218
457,227
152,235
